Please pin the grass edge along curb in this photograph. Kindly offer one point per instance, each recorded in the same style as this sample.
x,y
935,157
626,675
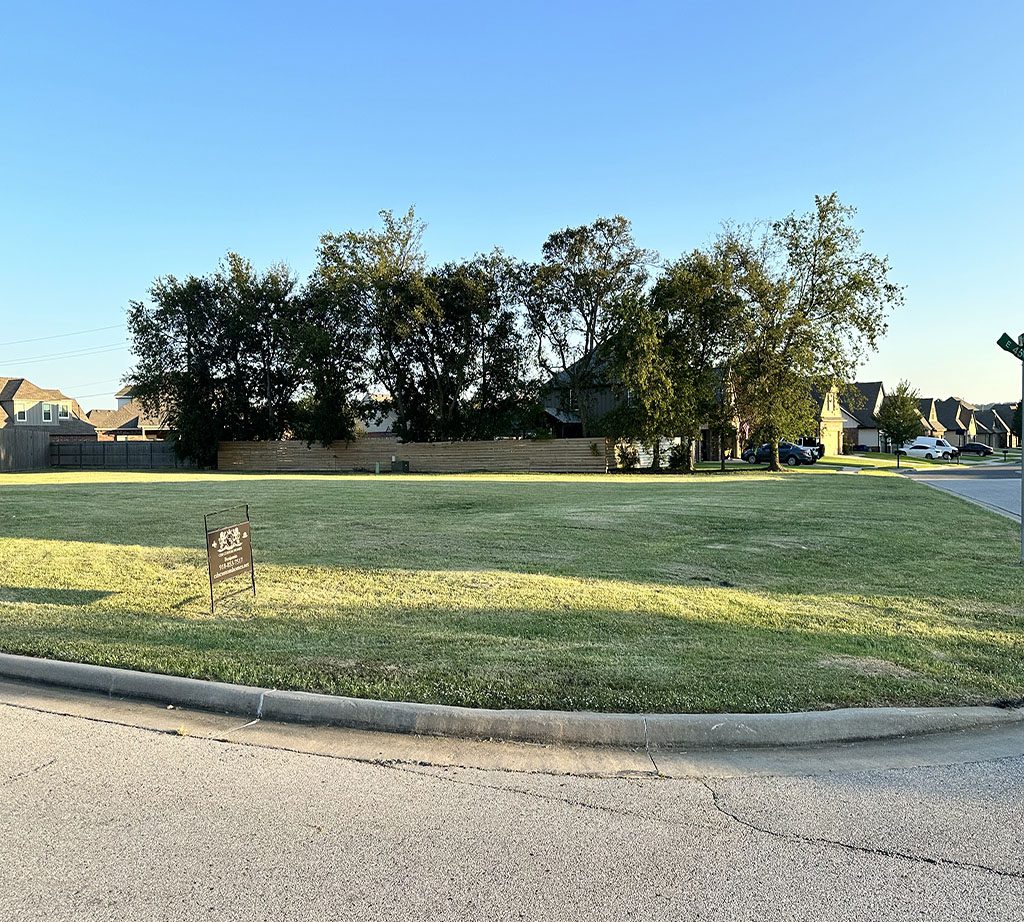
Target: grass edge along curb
x,y
642,731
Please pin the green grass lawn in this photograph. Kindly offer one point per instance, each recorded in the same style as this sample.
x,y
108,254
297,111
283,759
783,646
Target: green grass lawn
x,y
738,592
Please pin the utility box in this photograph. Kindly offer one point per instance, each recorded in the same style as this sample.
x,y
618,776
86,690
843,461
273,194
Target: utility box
x,y
399,466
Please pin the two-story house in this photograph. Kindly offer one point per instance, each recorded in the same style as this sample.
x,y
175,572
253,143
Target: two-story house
x,y
129,422
24,405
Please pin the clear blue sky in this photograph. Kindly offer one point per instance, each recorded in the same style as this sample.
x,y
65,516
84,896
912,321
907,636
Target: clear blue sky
x,y
141,139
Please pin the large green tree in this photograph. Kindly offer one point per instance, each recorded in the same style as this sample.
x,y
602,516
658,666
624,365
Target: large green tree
x,y
571,296
899,417
332,345
702,316
461,355
815,303
380,271
217,354
637,366
444,346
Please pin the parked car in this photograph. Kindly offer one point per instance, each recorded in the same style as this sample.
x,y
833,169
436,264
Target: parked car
x,y
788,454
975,448
814,445
929,448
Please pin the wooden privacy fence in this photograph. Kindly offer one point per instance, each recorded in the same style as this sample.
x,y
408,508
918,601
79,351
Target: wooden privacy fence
x,y
24,449
583,456
136,455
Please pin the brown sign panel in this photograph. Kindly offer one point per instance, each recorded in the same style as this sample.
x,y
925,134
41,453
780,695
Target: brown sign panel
x,y
229,552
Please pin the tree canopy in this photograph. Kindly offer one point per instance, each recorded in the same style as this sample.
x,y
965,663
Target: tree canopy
x,y
748,329
899,417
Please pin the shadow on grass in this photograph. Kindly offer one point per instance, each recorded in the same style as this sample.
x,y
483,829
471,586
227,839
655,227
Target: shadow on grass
x,y
51,596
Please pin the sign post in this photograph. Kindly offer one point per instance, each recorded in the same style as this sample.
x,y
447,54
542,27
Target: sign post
x,y
1017,349
229,551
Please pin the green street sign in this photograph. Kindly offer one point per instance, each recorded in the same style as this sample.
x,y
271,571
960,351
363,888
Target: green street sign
x,y
1008,343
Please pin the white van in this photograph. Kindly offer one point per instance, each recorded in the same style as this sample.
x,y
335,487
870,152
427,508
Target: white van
x,y
925,446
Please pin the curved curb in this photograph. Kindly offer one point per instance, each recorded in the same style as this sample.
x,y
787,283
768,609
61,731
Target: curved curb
x,y
639,731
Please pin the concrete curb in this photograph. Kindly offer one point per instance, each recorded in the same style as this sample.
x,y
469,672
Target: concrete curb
x,y
638,731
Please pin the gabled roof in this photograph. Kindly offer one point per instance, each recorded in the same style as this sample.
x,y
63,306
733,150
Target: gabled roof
x,y
866,402
953,414
12,389
23,389
130,416
1006,412
990,421
125,391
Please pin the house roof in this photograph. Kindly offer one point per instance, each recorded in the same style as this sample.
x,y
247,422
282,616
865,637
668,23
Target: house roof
x,y
867,400
12,389
563,416
990,421
125,391
23,389
130,416
1005,412
952,413
926,407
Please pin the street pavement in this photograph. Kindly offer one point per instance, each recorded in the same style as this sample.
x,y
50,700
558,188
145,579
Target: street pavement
x,y
126,811
996,487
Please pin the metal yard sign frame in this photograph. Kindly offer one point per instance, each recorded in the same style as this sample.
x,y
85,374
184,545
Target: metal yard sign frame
x,y
229,551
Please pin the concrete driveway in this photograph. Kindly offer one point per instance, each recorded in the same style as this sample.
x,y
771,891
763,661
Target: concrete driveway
x,y
996,487
107,820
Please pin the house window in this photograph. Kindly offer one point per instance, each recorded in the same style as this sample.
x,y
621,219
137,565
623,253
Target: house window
x,y
63,412
22,415
47,412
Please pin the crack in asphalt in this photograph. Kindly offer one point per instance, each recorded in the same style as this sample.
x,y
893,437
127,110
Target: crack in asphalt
x,y
28,771
551,798
848,846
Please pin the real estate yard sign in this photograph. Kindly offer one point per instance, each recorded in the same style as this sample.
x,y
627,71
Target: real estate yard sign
x,y
1017,349
229,550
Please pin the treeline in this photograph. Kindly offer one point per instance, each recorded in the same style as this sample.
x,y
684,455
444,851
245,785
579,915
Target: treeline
x,y
748,327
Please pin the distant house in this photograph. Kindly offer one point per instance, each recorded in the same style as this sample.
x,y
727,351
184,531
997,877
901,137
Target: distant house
x,y
1001,422
859,407
562,400
930,417
23,405
129,422
830,420
563,404
956,420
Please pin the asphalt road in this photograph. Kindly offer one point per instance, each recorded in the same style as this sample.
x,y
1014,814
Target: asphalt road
x,y
102,820
996,488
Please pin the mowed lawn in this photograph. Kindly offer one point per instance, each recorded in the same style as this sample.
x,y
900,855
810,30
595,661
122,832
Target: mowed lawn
x,y
736,592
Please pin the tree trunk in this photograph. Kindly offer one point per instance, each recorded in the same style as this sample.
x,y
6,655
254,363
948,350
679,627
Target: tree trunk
x,y
656,455
688,455
774,464
721,449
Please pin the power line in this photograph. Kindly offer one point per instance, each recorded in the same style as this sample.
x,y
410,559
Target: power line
x,y
99,394
37,339
71,387
92,350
